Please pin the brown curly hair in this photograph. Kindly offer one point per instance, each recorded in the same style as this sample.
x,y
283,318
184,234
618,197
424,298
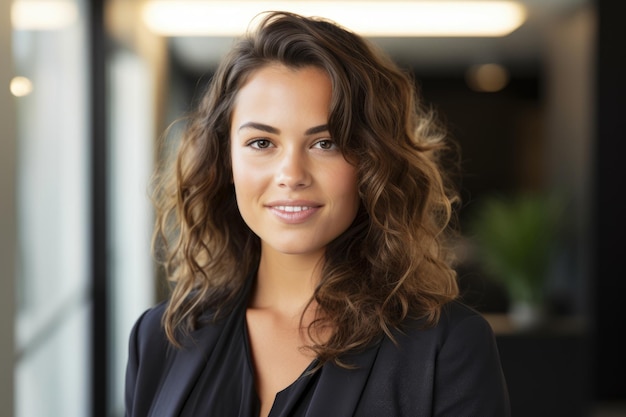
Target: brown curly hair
x,y
391,263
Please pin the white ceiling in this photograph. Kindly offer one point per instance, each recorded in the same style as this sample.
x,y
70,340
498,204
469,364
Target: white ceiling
x,y
520,51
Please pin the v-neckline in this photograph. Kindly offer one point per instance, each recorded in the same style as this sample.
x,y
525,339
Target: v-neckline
x,y
293,386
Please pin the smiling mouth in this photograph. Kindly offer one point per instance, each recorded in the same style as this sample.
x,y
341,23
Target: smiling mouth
x,y
292,209
294,214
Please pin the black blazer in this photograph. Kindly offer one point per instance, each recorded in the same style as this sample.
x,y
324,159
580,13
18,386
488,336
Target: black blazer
x,y
452,370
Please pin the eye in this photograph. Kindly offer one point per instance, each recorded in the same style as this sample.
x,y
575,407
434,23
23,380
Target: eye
x,y
325,144
260,143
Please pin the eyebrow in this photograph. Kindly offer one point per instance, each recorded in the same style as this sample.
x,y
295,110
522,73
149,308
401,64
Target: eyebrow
x,y
271,129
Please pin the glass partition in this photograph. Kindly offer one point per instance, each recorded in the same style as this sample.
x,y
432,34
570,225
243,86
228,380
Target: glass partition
x,y
50,54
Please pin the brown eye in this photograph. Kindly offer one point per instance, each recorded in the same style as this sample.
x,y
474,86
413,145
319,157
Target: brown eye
x,y
325,144
260,143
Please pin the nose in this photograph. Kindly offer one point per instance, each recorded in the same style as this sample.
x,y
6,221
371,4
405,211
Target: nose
x,y
293,171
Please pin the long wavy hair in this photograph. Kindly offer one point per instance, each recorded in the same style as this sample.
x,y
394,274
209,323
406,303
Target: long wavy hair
x,y
393,262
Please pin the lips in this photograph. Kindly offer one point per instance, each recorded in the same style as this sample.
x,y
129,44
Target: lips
x,y
294,212
291,209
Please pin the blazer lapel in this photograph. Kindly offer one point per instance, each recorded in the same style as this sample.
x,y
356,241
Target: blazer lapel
x,y
339,389
184,367
188,362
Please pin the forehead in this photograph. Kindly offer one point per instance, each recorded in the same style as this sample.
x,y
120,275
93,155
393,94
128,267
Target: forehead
x,y
275,74
276,90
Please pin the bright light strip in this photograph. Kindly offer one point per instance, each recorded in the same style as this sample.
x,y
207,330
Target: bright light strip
x,y
43,15
369,18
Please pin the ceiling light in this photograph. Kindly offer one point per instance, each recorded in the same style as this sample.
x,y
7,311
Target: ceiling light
x,y
43,15
487,78
368,18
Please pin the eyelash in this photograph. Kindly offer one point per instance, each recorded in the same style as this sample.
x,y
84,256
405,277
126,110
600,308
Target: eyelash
x,y
255,144
327,141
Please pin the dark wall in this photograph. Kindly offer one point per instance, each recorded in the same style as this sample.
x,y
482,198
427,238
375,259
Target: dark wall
x,y
500,134
609,279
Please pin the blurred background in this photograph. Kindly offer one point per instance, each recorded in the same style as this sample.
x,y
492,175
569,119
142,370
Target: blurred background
x,y
532,90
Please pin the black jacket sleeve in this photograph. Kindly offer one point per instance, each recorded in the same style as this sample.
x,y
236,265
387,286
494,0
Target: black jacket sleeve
x,y
147,348
468,376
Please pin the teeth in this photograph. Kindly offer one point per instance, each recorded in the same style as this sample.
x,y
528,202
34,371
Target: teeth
x,y
292,209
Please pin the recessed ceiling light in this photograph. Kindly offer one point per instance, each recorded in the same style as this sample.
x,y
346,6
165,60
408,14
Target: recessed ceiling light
x,y
487,78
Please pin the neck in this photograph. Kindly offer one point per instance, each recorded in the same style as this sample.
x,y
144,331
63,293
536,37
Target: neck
x,y
286,282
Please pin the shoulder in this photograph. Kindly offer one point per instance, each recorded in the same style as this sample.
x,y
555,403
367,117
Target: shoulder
x,y
456,320
465,333
149,322
147,336
147,351
461,336
455,364
149,331
469,376
460,331
152,358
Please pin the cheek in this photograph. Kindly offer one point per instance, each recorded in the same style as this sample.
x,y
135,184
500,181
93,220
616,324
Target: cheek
x,y
242,180
249,181
344,182
239,169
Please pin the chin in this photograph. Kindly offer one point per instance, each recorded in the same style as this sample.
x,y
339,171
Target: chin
x,y
296,249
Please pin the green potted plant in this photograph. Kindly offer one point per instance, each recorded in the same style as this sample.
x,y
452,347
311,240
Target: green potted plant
x,y
515,240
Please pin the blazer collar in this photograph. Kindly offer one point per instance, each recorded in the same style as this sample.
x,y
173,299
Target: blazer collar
x,y
339,389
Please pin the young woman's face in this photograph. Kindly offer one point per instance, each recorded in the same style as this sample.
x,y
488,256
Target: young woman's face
x,y
294,188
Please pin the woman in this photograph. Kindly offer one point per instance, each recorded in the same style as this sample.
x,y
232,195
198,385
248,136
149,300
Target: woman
x,y
306,224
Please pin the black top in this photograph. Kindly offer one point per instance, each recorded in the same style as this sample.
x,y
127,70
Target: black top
x,y
451,369
225,387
